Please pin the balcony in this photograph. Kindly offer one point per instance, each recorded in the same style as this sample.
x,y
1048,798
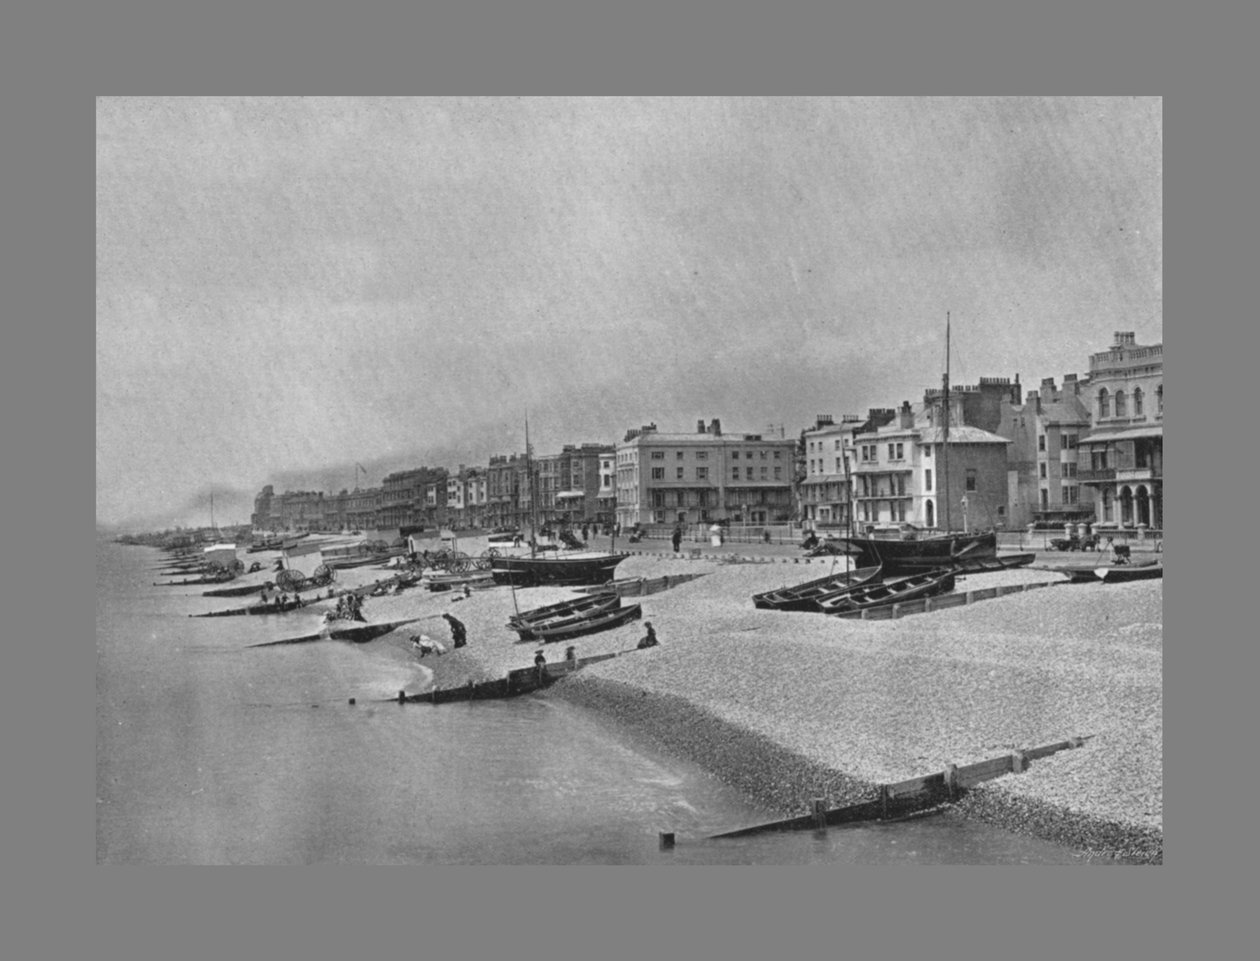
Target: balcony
x,y
1094,476
1131,474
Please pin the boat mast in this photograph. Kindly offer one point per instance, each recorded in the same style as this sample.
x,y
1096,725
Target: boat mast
x,y
533,496
945,434
848,491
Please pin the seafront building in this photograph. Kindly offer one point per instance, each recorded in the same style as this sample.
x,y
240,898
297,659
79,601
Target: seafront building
x,y
1125,446
825,491
703,477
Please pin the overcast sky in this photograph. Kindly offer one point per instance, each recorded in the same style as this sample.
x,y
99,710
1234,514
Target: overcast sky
x,y
287,287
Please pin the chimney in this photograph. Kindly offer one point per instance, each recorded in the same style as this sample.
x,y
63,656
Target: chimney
x,y
1071,385
825,420
1125,338
715,428
700,426
907,415
1034,398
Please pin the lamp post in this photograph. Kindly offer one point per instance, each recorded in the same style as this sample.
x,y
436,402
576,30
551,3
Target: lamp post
x,y
964,507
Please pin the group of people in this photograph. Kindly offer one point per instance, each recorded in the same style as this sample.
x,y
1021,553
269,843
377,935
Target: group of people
x,y
349,608
425,645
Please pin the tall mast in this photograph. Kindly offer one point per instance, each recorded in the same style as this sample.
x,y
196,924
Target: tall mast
x,y
945,433
533,496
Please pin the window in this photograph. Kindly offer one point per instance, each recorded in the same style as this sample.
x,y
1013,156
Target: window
x,y
658,473
901,510
1042,468
927,451
680,473
658,455
971,478
764,454
702,473
927,481
839,466
1069,469
1069,495
1159,399
778,455
734,455
702,455
734,473
901,486
1137,401
678,455
765,473
1121,407
1069,441
1104,403
778,473
748,473
1041,442
900,451
892,451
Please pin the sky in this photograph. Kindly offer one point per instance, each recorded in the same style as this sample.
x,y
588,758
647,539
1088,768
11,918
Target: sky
x,y
287,288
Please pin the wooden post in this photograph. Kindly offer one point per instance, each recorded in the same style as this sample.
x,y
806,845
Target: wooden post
x,y
666,840
1019,762
883,801
402,696
352,701
951,780
820,814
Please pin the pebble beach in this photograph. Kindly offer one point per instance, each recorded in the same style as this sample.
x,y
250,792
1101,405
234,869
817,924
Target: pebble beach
x,y
789,707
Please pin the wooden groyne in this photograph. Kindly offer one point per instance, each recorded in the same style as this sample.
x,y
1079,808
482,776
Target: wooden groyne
x,y
519,681
913,796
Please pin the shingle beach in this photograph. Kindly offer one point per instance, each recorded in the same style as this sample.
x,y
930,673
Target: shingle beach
x,y
789,707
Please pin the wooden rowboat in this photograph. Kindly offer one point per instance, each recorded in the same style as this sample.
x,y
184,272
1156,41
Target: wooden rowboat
x,y
580,626
804,597
868,596
356,633
569,608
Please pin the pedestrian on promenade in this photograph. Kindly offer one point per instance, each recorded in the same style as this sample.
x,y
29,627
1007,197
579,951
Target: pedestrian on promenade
x,y
677,537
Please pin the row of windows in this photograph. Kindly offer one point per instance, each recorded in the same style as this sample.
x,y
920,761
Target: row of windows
x,y
818,446
1105,401
1069,469
1067,441
820,465
702,473
704,454
896,451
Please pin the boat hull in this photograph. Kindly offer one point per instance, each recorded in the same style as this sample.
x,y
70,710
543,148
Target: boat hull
x,y
803,597
580,627
556,571
911,587
923,554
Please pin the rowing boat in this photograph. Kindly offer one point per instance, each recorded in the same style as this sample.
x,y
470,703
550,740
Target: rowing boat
x,y
804,597
355,633
579,626
869,596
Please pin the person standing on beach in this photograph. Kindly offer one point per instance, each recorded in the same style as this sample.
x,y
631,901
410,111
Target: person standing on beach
x,y
677,537
459,634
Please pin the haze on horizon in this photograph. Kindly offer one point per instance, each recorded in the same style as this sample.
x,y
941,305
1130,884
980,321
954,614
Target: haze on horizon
x,y
288,287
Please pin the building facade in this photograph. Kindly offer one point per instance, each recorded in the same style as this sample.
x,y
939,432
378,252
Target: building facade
x,y
1125,447
703,477
825,491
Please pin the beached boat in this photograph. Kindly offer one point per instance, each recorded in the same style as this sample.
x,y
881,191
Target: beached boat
x,y
591,623
1123,573
566,612
908,588
269,607
985,565
804,597
907,551
503,535
578,567
241,591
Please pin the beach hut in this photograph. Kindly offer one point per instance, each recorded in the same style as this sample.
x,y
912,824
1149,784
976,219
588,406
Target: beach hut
x,y
220,555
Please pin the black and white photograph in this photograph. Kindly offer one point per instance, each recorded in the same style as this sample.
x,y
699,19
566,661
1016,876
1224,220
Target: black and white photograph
x,y
629,481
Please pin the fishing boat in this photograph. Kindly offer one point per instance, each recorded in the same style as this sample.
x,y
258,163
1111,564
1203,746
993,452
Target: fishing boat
x,y
911,587
590,623
803,597
562,568
1124,573
242,591
575,567
574,607
906,549
985,565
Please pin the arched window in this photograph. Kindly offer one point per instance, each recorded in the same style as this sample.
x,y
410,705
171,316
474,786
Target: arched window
x,y
1137,401
1104,404
1121,410
1159,398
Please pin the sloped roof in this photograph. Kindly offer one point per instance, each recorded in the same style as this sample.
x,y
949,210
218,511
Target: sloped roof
x,y
961,434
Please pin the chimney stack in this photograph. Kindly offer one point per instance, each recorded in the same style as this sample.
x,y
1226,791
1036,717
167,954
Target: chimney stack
x,y
700,426
715,428
907,415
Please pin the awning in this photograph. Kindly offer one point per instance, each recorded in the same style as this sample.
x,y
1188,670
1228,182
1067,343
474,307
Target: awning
x,y
1133,433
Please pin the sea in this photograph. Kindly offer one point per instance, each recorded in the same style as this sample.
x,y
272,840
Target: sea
x,y
212,752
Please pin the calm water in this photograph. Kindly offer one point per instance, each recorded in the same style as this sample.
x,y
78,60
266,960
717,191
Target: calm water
x,y
209,753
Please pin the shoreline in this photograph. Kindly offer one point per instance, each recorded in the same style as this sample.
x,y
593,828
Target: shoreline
x,y
791,707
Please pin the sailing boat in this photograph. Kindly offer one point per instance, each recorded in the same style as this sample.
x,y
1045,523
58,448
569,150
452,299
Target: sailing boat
x,y
908,550
560,569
